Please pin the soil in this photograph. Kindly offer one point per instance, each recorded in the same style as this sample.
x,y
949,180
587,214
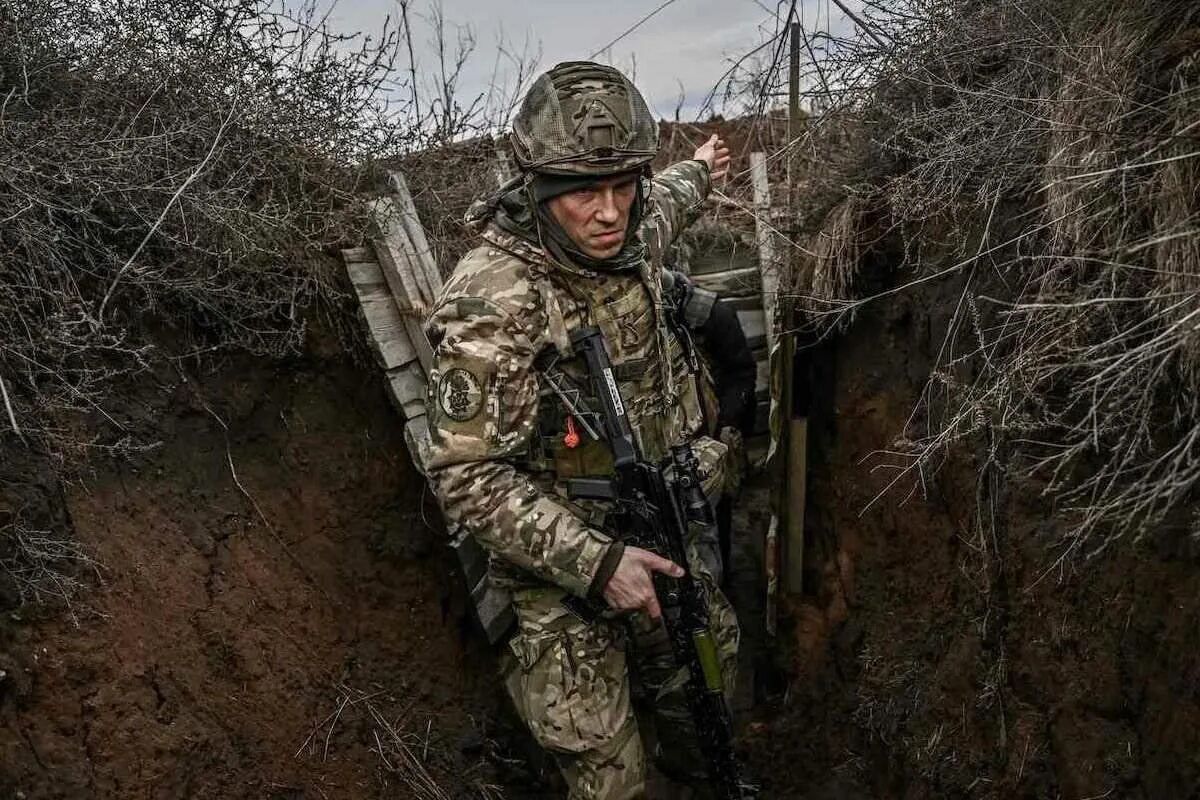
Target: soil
x,y
271,601
940,652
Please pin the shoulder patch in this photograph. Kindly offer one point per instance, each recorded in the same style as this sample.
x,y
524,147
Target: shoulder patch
x,y
459,395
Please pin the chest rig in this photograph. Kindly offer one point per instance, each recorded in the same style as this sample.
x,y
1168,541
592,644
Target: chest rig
x,y
653,368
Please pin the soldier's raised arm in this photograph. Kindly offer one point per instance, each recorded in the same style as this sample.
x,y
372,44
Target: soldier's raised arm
x,y
482,410
677,192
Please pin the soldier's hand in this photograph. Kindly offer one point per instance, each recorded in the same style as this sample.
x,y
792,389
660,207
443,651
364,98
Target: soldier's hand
x,y
631,587
715,154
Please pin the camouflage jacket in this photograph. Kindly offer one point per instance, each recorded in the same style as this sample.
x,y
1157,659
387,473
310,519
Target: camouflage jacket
x,y
497,461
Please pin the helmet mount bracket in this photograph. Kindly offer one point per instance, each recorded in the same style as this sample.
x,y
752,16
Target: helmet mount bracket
x,y
597,127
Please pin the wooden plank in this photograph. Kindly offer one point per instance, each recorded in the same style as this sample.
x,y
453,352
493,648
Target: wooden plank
x,y
796,498
730,282
746,303
392,246
492,606
390,243
424,263
416,335
754,326
472,558
407,386
416,436
388,332
762,418
352,255
493,609
408,383
366,276
771,568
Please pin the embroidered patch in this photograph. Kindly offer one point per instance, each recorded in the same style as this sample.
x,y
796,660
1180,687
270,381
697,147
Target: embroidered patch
x,y
460,395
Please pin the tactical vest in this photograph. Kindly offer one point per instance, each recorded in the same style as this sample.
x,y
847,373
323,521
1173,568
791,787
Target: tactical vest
x,y
660,394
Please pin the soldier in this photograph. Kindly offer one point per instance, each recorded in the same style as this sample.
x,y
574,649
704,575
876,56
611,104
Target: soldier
x,y
576,240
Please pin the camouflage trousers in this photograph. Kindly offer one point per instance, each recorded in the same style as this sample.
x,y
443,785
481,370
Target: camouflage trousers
x,y
570,683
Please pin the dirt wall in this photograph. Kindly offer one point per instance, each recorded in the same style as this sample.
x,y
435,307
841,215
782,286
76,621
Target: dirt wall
x,y
272,618
941,649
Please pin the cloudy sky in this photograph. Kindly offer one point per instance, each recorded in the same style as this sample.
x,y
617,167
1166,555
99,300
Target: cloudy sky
x,y
689,43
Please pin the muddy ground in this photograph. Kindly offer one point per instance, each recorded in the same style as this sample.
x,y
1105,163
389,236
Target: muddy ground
x,y
276,617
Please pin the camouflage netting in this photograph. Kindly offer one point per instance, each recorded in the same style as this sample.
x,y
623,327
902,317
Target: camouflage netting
x,y
1046,154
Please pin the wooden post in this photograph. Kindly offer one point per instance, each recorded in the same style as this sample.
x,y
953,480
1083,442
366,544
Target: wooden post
x,y
797,439
778,416
764,235
793,112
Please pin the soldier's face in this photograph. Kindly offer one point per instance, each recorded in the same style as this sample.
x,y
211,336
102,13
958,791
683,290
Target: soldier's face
x,y
596,217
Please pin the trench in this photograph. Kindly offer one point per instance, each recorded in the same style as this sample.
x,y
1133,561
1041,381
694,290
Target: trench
x,y
216,657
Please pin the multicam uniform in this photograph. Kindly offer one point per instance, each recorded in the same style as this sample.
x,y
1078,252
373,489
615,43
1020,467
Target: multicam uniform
x,y
499,465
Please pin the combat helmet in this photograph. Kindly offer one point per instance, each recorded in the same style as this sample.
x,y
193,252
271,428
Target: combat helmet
x,y
583,118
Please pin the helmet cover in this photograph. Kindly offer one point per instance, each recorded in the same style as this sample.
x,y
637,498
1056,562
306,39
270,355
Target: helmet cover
x,y
583,118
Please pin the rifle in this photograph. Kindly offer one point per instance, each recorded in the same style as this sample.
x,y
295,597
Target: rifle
x,y
652,511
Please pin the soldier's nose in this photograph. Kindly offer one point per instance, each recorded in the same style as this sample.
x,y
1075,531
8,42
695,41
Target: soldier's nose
x,y
607,211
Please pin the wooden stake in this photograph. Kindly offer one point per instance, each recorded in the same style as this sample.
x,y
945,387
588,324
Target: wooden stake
x,y
797,438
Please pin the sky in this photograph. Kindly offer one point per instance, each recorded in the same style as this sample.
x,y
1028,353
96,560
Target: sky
x,y
687,44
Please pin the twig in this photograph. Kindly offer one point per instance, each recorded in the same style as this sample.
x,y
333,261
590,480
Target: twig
x,y
861,23
195,173
12,417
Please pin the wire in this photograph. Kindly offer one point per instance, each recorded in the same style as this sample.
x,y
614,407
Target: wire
x,y
777,39
631,29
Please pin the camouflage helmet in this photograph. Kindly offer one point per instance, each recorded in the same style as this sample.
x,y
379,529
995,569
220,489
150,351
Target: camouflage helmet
x,y
582,118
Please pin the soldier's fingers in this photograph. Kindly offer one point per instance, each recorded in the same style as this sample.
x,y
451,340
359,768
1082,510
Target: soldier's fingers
x,y
653,610
658,564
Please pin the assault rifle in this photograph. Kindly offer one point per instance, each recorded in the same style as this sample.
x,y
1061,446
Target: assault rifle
x,y
652,505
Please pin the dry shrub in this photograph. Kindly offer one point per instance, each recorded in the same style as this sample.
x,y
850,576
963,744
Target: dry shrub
x,y
444,180
170,165
41,567
1046,154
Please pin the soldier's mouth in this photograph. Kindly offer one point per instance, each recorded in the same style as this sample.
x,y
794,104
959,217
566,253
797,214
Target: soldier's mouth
x,y
609,238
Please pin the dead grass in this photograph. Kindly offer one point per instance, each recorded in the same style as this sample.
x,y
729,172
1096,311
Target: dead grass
x,y
1047,155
